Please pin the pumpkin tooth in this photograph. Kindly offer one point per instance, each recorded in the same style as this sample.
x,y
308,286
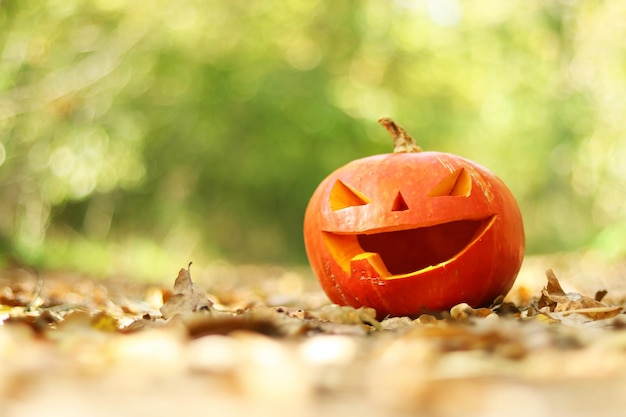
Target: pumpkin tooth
x,y
368,265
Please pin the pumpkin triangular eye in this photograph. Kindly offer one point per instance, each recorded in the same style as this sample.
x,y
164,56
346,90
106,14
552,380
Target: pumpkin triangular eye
x,y
343,196
399,204
458,183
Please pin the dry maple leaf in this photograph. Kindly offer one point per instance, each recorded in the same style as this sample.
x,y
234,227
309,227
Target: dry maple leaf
x,y
187,298
558,301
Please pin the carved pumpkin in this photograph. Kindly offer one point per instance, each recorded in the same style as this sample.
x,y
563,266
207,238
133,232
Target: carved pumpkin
x,y
412,232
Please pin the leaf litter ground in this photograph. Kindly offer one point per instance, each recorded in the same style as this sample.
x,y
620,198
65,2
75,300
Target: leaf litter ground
x,y
265,341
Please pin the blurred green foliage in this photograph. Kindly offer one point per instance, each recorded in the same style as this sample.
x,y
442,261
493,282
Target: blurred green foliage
x,y
199,128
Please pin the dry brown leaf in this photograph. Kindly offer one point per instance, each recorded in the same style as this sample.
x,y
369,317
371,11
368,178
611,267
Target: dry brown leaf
x,y
600,294
464,311
558,301
187,298
347,315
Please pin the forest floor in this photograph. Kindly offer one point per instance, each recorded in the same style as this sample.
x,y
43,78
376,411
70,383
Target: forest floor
x,y
264,341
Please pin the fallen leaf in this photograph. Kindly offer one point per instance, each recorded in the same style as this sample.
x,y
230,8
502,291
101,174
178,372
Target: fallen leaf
x,y
558,301
347,315
600,295
464,311
199,326
187,298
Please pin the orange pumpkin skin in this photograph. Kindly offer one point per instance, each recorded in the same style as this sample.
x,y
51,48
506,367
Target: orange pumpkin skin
x,y
409,233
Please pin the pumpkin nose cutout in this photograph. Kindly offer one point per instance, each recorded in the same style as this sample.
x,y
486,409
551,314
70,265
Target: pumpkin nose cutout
x,y
399,204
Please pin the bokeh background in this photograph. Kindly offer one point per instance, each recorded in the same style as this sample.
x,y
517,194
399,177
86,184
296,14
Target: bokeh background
x,y
137,135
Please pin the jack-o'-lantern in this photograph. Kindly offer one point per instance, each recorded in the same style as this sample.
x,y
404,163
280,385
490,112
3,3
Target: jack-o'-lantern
x,y
413,232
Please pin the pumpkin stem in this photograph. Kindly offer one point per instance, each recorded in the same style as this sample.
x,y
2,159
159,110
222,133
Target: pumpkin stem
x,y
402,141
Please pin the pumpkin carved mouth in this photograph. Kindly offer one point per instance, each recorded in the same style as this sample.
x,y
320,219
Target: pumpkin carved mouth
x,y
397,253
